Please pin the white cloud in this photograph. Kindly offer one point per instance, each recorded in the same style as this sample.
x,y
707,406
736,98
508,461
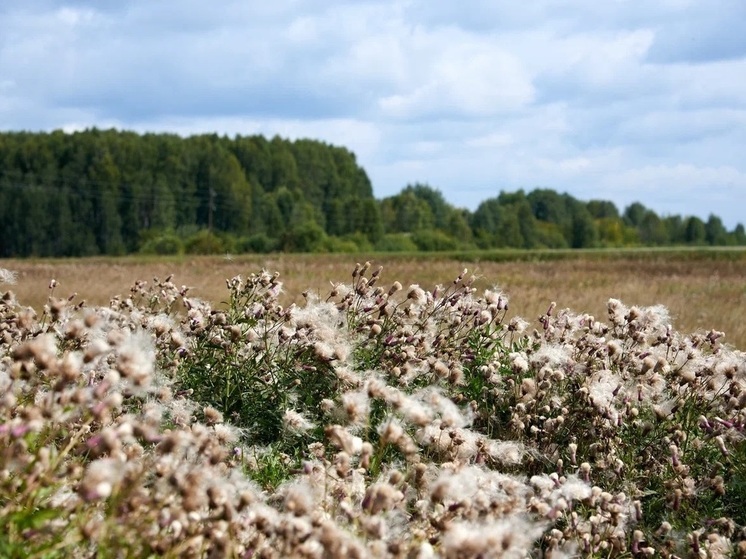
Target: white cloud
x,y
619,100
452,73
672,189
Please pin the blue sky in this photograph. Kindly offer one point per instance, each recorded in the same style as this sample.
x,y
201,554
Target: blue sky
x,y
622,100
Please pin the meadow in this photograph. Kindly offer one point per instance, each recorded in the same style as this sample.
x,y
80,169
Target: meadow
x,y
702,288
469,405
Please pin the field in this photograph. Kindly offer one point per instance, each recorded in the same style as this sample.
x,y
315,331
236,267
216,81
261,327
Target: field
x,y
701,289
382,420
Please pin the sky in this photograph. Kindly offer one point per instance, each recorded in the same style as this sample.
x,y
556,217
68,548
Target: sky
x,y
621,100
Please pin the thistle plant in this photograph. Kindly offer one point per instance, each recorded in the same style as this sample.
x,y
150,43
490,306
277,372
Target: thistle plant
x,y
378,420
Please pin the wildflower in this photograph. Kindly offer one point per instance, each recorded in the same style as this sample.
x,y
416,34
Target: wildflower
x,y
100,479
648,363
721,445
395,287
510,537
506,452
299,497
617,311
95,348
416,294
519,362
212,416
357,406
415,412
366,453
381,497
517,325
441,369
528,389
391,431
554,355
574,489
295,422
497,298
344,439
603,388
450,413
136,357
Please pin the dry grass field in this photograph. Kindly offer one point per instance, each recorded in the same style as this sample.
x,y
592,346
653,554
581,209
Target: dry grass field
x,y
701,290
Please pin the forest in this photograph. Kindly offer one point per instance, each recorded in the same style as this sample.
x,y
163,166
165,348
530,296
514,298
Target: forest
x,y
118,192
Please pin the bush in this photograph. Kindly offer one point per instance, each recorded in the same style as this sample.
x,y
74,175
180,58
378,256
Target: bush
x,y
206,242
337,244
259,243
396,242
431,240
304,237
167,243
361,241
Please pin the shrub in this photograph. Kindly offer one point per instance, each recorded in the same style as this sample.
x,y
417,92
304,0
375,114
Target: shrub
x,y
432,240
165,244
396,242
259,243
206,242
361,241
337,244
304,237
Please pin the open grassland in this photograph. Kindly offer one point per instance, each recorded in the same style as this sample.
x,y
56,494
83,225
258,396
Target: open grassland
x,y
702,289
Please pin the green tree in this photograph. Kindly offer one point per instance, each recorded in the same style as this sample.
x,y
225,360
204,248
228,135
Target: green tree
x,y
497,225
457,225
602,209
371,223
255,157
104,176
739,235
611,232
582,232
439,208
284,167
694,231
396,242
675,229
715,232
652,229
406,213
634,214
549,235
222,189
109,191
549,206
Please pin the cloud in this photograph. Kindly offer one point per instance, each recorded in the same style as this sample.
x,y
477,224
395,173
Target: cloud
x,y
454,74
672,127
669,189
619,99
702,32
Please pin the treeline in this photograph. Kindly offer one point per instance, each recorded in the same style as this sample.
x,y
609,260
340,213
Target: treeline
x,y
112,192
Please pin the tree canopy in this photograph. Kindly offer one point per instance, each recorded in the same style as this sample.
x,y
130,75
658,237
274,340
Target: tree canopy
x,y
117,192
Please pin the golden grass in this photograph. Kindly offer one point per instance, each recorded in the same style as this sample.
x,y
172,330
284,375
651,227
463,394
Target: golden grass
x,y
701,293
